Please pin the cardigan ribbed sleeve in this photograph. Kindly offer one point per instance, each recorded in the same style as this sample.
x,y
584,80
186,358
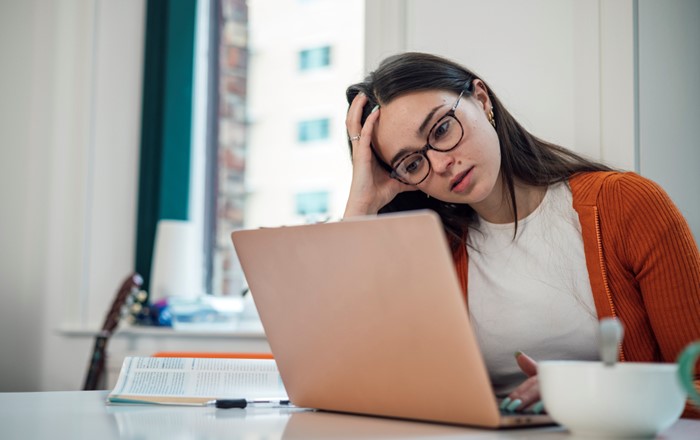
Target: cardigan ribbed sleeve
x,y
656,245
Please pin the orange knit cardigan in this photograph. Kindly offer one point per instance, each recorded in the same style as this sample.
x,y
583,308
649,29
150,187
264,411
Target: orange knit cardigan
x,y
643,264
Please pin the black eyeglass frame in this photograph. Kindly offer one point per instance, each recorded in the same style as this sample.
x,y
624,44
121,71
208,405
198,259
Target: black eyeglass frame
x,y
423,151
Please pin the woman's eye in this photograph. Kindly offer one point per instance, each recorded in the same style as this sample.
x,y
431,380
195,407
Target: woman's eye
x,y
441,130
413,163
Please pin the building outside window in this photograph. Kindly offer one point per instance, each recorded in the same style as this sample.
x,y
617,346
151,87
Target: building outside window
x,y
263,108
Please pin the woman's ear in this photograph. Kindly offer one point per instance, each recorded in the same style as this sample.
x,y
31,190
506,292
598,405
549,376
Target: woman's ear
x,y
481,94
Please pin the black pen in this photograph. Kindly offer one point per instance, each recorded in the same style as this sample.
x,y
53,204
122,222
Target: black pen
x,y
243,403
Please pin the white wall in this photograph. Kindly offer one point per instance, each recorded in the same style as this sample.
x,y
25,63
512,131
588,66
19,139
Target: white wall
x,y
69,138
23,184
669,100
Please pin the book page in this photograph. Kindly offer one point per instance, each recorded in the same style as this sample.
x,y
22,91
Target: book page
x,y
187,380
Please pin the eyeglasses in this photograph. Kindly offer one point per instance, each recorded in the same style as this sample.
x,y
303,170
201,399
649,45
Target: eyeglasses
x,y
444,136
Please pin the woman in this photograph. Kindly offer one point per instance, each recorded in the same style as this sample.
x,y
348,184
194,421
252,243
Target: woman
x,y
545,242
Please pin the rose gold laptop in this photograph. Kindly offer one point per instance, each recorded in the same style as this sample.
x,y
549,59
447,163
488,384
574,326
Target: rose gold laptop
x,y
366,316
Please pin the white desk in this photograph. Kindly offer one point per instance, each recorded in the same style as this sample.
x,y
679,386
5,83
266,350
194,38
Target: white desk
x,y
83,415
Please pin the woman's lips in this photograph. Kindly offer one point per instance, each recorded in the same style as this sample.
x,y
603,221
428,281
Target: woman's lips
x,y
461,181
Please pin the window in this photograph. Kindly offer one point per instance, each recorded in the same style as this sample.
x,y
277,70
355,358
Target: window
x,y
257,117
315,58
312,204
314,130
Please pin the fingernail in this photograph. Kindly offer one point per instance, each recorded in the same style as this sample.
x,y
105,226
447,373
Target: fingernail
x,y
376,107
538,407
514,405
505,403
518,353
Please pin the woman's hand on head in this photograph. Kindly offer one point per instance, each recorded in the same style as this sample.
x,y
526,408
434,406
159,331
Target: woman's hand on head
x,y
372,187
526,397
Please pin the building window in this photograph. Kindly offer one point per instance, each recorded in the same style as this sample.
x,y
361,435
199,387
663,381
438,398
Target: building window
x,y
315,58
314,130
312,204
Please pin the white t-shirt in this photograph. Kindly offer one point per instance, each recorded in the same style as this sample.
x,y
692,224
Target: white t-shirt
x,y
531,294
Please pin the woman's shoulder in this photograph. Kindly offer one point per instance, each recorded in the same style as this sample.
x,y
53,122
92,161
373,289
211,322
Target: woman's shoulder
x,y
624,197
599,177
589,187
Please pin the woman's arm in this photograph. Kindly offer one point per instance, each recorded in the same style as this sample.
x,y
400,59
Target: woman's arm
x,y
661,253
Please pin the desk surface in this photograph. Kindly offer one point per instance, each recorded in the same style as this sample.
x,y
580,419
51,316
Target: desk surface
x,y
84,415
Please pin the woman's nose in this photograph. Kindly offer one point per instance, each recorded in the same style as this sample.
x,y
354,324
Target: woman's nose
x,y
440,161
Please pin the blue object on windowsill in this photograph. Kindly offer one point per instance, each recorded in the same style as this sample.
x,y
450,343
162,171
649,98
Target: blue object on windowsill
x,y
160,312
206,313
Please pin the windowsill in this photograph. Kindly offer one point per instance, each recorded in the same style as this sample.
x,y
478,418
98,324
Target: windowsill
x,y
251,329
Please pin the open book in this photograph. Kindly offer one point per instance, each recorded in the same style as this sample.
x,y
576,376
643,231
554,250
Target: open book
x,y
196,381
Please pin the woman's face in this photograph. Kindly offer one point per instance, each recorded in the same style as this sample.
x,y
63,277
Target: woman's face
x,y
469,173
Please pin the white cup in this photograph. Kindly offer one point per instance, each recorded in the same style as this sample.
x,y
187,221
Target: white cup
x,y
627,399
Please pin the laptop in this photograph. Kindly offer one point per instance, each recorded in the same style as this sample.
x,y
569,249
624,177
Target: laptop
x,y
366,316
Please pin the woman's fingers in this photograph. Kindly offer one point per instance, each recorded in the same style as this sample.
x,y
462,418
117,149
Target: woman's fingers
x,y
360,135
368,128
526,364
361,144
528,392
371,187
353,120
526,395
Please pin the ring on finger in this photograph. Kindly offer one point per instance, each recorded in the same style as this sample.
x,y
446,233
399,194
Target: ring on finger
x,y
354,138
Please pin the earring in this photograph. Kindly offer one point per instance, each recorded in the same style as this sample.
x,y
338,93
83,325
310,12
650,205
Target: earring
x,y
491,118
427,196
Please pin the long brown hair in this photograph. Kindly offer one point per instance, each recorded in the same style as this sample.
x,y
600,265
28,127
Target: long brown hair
x,y
523,156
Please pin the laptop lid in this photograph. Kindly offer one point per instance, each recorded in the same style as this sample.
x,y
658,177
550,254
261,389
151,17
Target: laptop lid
x,y
367,316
